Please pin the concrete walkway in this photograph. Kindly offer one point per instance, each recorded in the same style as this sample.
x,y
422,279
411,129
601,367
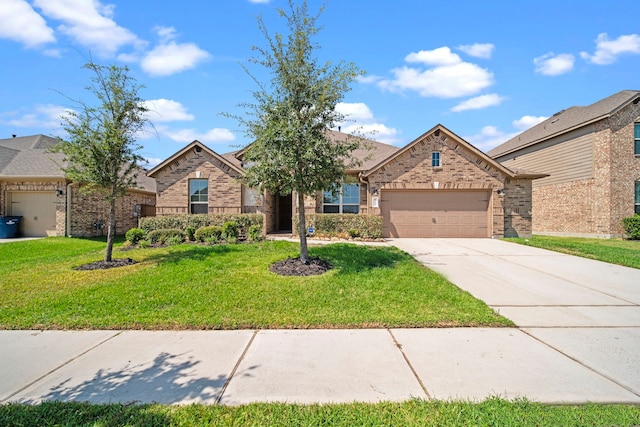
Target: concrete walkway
x,y
578,341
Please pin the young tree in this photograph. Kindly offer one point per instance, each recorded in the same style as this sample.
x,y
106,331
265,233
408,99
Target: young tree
x,y
101,148
288,120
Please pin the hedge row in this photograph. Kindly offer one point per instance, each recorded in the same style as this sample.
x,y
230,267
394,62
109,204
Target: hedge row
x,y
632,227
194,222
347,225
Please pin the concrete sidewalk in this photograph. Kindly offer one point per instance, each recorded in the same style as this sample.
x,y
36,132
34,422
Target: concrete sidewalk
x,y
325,366
578,340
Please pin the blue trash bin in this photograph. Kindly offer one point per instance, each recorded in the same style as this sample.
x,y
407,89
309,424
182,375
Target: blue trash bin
x,y
9,226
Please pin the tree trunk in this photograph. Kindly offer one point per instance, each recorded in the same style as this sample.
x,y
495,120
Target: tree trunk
x,y
111,231
304,253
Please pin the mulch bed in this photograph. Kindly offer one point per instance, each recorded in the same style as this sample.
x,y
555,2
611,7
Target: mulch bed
x,y
103,265
294,267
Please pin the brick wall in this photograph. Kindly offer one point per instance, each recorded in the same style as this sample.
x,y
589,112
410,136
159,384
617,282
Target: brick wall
x,y
87,209
225,192
517,208
461,168
595,207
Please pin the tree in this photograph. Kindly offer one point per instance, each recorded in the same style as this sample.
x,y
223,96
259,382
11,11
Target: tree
x,y
101,148
288,120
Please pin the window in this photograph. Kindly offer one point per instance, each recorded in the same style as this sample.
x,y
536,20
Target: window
x,y
435,159
198,196
347,201
637,197
636,139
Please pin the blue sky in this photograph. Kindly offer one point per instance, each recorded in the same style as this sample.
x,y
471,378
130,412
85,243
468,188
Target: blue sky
x,y
486,70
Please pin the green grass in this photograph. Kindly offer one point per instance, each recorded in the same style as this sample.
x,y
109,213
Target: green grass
x,y
225,287
614,251
492,412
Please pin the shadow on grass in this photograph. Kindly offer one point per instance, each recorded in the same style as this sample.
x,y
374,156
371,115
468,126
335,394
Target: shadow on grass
x,y
348,259
176,254
166,380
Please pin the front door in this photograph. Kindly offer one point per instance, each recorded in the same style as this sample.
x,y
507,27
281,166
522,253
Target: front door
x,y
284,212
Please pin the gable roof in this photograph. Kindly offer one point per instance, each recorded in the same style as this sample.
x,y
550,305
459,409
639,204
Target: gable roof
x,y
436,131
566,121
225,160
28,156
368,154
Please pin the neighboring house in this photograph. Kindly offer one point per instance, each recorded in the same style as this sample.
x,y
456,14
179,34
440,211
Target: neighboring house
x,y
592,157
437,186
33,185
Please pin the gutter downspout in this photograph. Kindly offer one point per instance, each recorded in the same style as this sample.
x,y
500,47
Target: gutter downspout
x,y
68,211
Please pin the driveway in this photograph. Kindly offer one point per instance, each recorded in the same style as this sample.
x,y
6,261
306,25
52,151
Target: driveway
x,y
587,310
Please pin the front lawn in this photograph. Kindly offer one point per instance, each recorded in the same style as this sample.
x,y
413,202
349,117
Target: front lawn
x,y
614,251
225,287
492,412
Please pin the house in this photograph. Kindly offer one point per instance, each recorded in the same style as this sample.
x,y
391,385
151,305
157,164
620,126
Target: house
x,y
592,157
33,186
437,186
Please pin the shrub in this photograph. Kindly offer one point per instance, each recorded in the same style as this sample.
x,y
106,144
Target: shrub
x,y
143,243
161,236
353,233
255,233
632,227
230,231
190,232
209,234
173,240
181,222
134,235
335,225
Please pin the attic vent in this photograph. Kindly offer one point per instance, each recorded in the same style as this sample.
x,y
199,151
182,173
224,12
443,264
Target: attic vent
x,y
558,113
198,149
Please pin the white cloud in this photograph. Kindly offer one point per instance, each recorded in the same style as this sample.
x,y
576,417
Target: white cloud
x,y
361,121
554,65
478,50
23,24
448,77
166,110
170,57
43,117
439,56
355,110
449,81
479,102
153,162
90,24
215,135
607,51
368,79
526,122
489,137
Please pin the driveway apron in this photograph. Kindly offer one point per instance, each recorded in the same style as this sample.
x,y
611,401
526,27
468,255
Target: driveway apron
x,y
587,311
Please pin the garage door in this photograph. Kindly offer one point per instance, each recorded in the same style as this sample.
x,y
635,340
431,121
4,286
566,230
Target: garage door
x,y
437,213
38,212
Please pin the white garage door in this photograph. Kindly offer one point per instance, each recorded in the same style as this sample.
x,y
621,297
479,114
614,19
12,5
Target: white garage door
x,y
437,213
38,212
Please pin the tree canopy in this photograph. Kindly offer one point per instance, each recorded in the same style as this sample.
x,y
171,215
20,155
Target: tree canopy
x,y
101,148
290,115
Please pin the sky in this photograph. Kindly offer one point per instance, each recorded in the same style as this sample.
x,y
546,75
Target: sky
x,y
487,70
